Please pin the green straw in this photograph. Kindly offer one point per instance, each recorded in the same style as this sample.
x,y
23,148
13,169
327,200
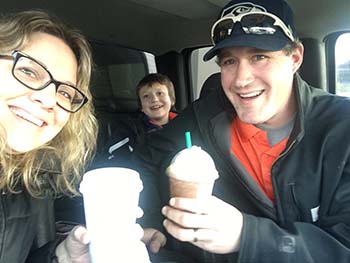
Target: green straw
x,y
188,139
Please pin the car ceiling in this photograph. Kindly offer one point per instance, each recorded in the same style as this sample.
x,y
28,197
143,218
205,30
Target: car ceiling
x,y
159,26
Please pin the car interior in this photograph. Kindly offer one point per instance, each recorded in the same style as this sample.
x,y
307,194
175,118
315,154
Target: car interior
x,y
131,38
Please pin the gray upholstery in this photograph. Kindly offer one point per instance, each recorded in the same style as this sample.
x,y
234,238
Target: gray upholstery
x,y
211,83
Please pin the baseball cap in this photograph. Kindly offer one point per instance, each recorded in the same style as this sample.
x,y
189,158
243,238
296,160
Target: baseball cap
x,y
262,24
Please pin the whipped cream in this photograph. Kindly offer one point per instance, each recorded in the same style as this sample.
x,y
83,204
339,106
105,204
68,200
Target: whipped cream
x,y
194,165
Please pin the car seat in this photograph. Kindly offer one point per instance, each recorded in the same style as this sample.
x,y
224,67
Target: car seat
x,y
211,83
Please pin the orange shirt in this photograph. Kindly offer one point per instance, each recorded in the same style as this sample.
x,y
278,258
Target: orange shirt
x,y
250,145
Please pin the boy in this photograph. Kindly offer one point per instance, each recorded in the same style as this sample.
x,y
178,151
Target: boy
x,y
156,97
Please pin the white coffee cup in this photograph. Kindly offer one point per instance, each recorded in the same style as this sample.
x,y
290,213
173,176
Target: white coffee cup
x,y
111,198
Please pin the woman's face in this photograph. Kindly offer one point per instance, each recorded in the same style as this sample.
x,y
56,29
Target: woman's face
x,y
32,118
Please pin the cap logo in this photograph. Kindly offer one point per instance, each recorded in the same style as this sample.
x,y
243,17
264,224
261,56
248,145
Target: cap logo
x,y
242,8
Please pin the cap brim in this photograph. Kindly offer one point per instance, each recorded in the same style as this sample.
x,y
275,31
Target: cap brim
x,y
265,42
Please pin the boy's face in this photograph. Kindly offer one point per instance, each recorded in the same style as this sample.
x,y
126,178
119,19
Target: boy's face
x,y
156,103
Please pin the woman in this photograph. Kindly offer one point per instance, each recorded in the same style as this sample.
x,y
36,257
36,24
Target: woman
x,y
47,132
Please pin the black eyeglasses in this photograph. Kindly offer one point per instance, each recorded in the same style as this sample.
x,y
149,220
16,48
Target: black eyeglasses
x,y
258,23
35,76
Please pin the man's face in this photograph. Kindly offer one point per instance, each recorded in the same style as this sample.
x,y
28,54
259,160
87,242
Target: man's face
x,y
259,83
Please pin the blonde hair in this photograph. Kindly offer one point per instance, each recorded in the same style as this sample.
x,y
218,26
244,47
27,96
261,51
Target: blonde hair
x,y
57,166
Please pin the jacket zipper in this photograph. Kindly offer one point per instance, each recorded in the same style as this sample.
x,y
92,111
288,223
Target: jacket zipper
x,y
233,171
227,161
273,178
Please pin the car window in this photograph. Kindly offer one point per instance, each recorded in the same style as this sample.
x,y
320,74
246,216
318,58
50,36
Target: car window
x,y
342,63
200,70
117,72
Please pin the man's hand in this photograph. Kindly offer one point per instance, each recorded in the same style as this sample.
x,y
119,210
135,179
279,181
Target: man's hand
x,y
75,248
211,224
153,239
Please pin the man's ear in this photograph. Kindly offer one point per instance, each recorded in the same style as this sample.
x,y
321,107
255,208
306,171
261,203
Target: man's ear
x,y
297,56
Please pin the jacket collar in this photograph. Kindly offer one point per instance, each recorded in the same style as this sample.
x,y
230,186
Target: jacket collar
x,y
217,102
304,95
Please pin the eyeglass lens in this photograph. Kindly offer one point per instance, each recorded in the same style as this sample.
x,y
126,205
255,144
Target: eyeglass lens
x,y
257,20
223,30
254,24
36,77
258,24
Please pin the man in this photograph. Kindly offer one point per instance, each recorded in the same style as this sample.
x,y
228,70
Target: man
x,y
281,148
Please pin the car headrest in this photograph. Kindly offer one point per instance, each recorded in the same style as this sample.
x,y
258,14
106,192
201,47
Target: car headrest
x,y
113,94
211,83
115,105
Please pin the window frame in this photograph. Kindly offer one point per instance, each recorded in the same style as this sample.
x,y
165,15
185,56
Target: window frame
x,y
330,42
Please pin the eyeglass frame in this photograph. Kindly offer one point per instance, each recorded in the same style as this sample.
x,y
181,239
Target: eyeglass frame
x,y
16,55
278,22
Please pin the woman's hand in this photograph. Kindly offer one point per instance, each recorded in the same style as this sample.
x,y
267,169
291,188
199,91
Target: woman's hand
x,y
212,225
75,248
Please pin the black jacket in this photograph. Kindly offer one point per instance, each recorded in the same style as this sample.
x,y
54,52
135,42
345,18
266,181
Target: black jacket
x,y
310,220
26,226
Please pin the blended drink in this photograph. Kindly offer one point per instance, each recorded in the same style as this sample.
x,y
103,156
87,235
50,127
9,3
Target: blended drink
x,y
192,173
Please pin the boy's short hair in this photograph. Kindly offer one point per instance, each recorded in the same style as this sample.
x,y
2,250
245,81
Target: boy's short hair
x,y
156,78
